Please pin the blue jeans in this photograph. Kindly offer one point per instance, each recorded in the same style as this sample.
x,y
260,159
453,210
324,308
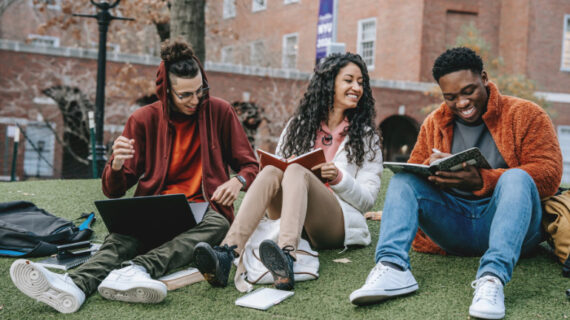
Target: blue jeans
x,y
497,227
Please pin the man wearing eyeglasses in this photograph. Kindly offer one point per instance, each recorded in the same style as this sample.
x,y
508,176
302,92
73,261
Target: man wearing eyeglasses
x,y
183,143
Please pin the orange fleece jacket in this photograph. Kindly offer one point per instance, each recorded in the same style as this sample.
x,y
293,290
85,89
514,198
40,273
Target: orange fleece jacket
x,y
523,133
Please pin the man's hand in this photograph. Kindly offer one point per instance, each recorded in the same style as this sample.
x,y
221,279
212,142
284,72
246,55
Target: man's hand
x,y
438,155
227,192
123,149
328,170
467,179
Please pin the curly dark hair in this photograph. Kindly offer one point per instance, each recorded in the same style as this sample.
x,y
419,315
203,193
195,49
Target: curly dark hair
x,y
179,59
316,104
456,59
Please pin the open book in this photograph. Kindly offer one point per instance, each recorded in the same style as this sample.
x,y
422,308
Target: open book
x,y
472,157
307,160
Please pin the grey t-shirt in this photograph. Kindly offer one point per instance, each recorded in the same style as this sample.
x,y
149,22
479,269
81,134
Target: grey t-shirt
x,y
466,136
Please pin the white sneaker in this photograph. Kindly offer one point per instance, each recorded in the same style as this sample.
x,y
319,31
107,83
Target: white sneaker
x,y
132,284
56,290
489,300
382,283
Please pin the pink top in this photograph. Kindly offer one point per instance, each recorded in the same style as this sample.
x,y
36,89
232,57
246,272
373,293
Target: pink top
x,y
329,141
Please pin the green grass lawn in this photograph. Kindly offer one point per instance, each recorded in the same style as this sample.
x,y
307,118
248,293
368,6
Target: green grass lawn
x,y
536,291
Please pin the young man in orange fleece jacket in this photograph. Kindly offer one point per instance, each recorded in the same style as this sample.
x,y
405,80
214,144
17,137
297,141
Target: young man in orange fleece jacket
x,y
494,213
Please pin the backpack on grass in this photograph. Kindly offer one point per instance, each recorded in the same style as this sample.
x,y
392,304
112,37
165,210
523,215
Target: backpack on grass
x,y
556,223
28,231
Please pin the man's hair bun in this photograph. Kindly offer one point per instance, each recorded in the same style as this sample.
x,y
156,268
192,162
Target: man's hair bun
x,y
176,50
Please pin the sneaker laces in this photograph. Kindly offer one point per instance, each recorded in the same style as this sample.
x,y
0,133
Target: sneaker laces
x,y
287,250
227,249
486,288
376,273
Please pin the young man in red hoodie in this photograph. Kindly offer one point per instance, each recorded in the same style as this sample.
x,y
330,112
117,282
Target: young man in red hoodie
x,y
183,143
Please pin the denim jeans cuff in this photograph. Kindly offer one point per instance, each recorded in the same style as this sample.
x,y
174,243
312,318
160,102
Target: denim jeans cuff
x,y
396,261
499,274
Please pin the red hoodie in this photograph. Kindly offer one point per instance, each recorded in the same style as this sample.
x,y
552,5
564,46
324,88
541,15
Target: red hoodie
x,y
222,138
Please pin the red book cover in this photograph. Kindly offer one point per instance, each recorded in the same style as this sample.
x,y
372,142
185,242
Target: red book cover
x,y
307,160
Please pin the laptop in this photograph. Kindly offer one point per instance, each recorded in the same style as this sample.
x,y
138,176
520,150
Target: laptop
x,y
156,219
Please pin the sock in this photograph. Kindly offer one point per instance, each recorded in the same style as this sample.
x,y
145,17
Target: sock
x,y
392,265
487,273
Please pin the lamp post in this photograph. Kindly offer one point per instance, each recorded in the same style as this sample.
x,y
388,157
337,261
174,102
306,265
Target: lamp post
x,y
104,18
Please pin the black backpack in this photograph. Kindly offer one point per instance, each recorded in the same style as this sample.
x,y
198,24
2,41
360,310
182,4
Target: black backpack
x,y
28,231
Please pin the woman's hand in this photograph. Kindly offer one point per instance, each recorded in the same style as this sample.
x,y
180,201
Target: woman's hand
x,y
328,170
123,149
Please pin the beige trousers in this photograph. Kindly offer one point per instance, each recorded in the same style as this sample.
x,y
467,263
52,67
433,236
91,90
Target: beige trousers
x,y
300,199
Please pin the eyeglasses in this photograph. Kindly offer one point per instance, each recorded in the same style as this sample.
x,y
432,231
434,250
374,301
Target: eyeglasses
x,y
189,95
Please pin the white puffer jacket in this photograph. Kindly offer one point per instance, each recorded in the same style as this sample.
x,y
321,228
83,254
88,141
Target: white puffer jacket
x,y
357,190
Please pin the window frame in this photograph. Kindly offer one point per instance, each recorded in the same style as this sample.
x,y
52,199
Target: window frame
x,y
225,13
256,7
285,53
359,41
565,31
224,53
253,52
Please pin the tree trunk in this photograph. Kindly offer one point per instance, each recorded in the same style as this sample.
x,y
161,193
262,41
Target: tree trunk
x,y
187,21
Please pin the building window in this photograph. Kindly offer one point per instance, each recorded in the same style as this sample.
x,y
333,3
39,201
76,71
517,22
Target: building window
x,y
367,40
39,154
291,1
50,4
228,54
229,9
258,5
43,41
566,44
257,56
290,49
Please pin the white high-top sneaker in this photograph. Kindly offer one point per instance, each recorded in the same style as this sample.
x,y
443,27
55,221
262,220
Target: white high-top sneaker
x,y
382,283
132,284
56,290
489,299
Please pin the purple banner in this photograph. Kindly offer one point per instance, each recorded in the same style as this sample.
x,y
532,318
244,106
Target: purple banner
x,y
324,28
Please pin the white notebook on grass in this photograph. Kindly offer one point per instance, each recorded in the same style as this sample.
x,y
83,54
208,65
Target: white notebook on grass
x,y
263,298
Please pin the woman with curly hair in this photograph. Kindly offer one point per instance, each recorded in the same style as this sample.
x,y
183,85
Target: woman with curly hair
x,y
335,114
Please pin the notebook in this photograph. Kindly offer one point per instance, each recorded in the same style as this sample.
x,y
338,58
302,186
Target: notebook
x,y
70,255
156,219
181,278
263,298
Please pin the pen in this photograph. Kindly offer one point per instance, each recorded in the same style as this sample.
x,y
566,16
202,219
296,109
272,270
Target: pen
x,y
435,150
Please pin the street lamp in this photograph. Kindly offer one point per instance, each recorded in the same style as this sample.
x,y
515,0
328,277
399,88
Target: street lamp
x,y
104,18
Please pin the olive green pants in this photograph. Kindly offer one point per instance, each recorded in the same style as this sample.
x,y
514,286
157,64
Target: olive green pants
x,y
178,252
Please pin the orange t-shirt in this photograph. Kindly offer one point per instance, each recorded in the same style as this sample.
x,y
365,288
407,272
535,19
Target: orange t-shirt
x,y
185,166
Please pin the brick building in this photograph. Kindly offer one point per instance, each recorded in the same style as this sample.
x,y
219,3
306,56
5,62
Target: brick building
x,y
264,51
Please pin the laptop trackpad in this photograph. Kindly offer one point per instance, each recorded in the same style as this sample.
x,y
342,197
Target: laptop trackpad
x,y
198,210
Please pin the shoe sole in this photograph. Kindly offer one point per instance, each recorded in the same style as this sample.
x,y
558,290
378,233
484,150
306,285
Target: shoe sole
x,y
274,259
150,293
366,298
209,266
34,282
483,315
